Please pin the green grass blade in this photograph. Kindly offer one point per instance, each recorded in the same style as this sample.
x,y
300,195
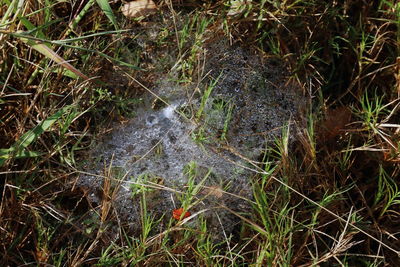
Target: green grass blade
x,y
27,154
32,28
5,19
34,40
206,95
72,25
49,53
18,149
83,37
105,6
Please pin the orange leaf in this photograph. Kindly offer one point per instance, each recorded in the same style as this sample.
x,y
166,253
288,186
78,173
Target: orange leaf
x,y
177,214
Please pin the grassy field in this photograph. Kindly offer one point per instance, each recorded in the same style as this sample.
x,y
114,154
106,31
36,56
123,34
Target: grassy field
x,y
68,69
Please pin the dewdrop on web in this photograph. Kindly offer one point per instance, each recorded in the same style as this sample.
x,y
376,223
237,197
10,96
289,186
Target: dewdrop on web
x,y
168,112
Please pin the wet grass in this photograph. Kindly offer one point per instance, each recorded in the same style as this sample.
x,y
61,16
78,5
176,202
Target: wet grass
x,y
332,199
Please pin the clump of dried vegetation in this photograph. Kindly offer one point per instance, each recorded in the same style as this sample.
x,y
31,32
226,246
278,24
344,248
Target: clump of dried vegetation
x,y
332,200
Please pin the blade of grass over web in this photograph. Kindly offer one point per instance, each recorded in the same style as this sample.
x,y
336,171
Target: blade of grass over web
x,y
206,96
18,149
83,37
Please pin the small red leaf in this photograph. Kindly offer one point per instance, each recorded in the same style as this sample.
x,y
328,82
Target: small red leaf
x,y
177,214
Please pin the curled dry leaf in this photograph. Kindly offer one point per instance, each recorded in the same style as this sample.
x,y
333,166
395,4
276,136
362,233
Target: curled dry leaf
x,y
139,8
177,214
